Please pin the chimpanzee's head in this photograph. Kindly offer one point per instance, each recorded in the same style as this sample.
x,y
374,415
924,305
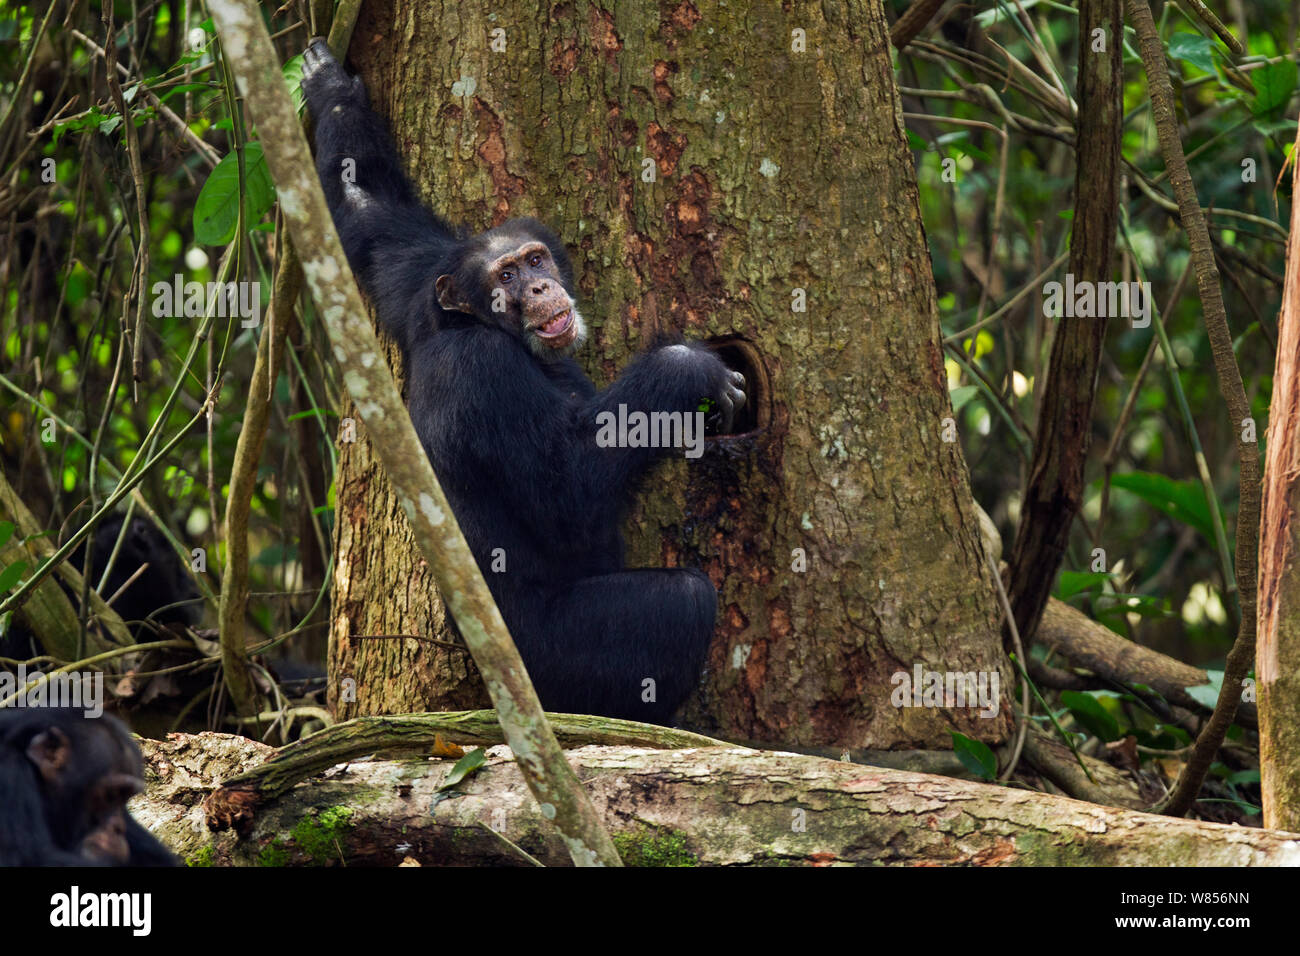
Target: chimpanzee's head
x,y
82,771
517,276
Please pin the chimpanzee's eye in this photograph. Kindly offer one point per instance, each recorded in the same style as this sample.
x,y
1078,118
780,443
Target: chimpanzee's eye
x,y
506,276
536,260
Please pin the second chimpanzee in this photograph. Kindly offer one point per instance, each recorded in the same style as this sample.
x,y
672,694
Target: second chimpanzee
x,y
147,584
64,782
510,422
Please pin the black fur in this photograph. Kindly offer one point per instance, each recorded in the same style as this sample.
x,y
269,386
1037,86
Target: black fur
x,y
162,594
511,434
52,818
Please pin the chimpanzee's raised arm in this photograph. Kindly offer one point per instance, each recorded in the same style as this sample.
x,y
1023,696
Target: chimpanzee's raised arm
x,y
391,240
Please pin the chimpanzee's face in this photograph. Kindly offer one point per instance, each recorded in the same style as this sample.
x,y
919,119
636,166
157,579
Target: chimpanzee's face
x,y
515,278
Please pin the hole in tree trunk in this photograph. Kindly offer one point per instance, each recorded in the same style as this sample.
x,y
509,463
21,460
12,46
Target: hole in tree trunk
x,y
741,355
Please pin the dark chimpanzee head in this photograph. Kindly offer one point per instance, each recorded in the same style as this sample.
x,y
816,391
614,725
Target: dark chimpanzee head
x,y
70,776
517,276
162,582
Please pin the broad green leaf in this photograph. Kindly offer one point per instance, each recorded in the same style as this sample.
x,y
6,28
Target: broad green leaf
x,y
1088,711
12,575
1207,695
1194,49
1183,501
1071,583
961,395
216,214
465,766
6,532
975,756
1284,126
1274,85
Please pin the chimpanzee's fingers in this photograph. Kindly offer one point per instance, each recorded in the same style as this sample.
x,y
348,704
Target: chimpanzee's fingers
x,y
736,389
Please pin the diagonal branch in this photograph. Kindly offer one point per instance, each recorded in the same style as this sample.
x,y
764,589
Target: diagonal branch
x,y
914,19
325,267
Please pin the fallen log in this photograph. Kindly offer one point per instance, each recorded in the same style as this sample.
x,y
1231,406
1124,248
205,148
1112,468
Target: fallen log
x,y
711,806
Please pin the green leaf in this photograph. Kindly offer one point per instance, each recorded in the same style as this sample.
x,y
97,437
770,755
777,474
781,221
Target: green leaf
x,y
1207,695
216,214
6,532
1274,85
975,756
1194,49
1276,127
292,71
961,395
465,766
11,575
1088,711
1184,501
1071,583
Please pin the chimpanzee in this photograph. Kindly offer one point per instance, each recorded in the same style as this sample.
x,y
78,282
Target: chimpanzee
x,y
162,593
64,782
487,323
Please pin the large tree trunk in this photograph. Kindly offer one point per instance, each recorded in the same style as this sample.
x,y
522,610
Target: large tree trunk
x,y
780,172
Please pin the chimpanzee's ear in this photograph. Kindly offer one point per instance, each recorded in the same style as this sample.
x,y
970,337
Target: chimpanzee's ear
x,y
49,751
449,296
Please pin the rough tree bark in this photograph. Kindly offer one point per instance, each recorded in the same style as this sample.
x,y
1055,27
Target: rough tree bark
x,y
781,175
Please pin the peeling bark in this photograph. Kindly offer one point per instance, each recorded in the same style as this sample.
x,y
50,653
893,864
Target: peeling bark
x,y
1277,658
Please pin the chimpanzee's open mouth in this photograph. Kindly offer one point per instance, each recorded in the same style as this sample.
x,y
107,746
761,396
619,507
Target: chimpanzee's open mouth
x,y
557,326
